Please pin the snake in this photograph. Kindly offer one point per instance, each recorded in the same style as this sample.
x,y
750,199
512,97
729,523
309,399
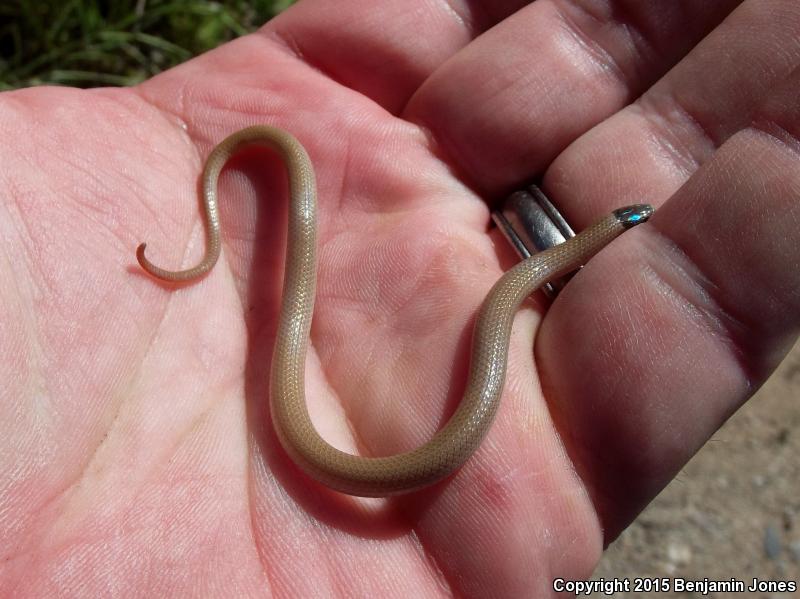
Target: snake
x,y
449,448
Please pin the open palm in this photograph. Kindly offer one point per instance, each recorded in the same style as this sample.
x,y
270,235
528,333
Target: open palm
x,y
136,452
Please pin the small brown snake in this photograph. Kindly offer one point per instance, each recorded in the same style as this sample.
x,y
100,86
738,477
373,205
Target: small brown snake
x,y
459,438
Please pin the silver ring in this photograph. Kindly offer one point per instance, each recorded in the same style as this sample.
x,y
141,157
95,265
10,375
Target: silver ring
x,y
531,224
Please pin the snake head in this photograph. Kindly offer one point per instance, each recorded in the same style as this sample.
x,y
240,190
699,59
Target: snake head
x,y
630,216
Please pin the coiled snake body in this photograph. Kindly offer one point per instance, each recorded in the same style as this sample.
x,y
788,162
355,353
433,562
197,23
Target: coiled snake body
x,y
451,446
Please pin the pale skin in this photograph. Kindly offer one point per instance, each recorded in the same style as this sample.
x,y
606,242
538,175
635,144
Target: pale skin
x,y
135,443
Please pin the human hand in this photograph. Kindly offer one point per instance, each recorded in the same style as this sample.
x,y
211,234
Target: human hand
x,y
136,443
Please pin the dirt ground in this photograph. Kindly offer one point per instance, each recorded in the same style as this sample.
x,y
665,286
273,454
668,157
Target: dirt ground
x,y
734,511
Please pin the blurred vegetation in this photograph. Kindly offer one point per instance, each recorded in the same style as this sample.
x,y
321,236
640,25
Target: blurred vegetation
x,y
90,43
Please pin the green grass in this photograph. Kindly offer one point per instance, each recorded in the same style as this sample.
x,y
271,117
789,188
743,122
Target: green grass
x,y
91,43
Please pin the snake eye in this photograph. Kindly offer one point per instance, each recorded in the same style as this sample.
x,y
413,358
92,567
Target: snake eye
x,y
630,216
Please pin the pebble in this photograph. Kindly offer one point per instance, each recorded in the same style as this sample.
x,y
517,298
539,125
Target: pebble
x,y
772,542
679,554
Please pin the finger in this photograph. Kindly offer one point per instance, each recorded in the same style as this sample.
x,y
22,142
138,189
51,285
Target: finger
x,y
649,149
505,106
384,49
653,346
